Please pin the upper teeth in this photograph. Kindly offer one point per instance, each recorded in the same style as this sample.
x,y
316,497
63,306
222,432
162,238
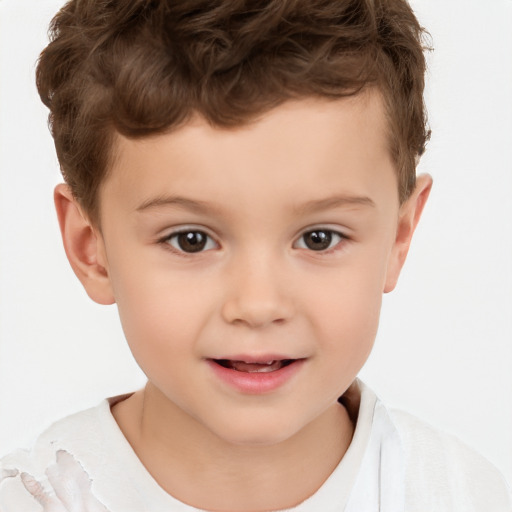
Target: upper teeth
x,y
263,362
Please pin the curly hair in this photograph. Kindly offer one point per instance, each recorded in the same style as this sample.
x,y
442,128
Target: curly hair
x,y
143,67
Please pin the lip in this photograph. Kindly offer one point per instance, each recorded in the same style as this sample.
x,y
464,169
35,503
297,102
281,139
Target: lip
x,y
256,383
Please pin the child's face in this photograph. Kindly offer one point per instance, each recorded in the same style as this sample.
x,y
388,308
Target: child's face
x,y
270,242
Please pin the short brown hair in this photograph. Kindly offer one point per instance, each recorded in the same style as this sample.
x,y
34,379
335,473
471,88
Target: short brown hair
x,y
143,67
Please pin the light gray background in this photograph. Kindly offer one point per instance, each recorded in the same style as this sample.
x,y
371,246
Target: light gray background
x,y
444,351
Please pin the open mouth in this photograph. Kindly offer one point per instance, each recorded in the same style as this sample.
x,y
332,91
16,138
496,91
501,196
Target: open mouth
x,y
260,367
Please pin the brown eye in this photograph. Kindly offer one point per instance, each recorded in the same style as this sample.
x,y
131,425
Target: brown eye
x,y
319,239
191,241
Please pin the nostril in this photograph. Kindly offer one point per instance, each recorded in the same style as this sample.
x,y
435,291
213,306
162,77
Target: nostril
x,y
254,313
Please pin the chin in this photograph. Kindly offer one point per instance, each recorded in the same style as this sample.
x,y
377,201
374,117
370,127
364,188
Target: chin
x,y
256,433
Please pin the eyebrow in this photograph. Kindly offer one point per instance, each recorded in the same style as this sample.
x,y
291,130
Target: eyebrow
x,y
203,207
334,202
176,201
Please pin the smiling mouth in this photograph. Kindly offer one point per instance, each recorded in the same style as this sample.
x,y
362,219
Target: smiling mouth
x,y
260,367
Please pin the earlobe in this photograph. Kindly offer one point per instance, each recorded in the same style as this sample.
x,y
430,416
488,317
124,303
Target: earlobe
x,y
84,247
410,213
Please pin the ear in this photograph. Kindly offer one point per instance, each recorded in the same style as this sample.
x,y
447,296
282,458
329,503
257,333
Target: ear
x,y
409,216
84,247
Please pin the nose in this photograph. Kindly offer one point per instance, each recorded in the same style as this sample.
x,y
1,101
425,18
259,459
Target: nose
x,y
258,294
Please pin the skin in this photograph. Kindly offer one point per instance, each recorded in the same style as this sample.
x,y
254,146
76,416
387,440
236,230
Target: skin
x,y
257,288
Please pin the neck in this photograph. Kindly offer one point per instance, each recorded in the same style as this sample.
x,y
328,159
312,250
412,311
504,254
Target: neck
x,y
179,452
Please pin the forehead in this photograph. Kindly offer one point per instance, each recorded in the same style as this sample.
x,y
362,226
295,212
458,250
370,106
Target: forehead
x,y
300,145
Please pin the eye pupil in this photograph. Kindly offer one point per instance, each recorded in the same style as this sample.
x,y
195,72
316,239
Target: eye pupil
x,y
318,240
192,241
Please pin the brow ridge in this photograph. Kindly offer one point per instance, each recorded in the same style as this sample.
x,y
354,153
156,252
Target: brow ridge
x,y
179,201
204,207
335,202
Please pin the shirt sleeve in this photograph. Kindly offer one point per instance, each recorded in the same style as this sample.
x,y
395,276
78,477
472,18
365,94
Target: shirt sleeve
x,y
445,475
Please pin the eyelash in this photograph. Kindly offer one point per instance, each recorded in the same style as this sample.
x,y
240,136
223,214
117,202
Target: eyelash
x,y
327,233
167,241
331,234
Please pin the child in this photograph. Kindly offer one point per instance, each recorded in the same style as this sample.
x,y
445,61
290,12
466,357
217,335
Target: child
x,y
240,181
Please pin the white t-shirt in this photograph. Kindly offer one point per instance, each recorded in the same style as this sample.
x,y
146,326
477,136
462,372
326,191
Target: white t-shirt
x,y
395,463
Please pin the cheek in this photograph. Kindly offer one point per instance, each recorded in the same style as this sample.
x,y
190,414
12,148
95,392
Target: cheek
x,y
348,330
346,309
350,324
159,312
